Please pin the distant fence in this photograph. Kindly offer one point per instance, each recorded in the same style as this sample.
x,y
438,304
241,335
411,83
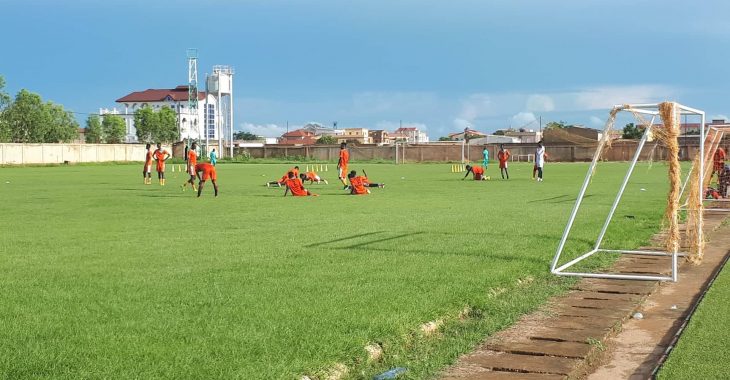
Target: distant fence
x,y
619,151
72,153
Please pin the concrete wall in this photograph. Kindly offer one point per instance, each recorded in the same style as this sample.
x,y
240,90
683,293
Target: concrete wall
x,y
619,151
59,153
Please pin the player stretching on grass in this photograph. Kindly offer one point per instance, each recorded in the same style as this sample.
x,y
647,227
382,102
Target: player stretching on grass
x,y
208,173
342,164
161,156
503,157
359,184
312,177
295,185
147,169
476,171
282,181
190,169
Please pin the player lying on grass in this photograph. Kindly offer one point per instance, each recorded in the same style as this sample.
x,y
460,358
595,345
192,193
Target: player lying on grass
x,y
476,171
359,184
296,186
161,156
205,171
282,181
312,177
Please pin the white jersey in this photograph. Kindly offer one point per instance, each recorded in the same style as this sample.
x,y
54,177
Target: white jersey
x,y
540,157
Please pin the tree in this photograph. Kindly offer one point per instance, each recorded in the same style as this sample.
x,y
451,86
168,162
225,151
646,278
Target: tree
x,y
94,133
114,129
556,125
444,138
327,140
62,127
146,121
632,132
167,131
4,97
29,120
4,100
247,136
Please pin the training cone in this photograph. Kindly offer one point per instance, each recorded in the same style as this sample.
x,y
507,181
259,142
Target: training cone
x,y
173,168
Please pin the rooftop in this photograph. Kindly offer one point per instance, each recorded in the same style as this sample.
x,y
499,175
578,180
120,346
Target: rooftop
x,y
178,94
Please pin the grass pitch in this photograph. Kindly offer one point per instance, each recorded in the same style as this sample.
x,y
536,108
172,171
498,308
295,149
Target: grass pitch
x,y
702,351
104,277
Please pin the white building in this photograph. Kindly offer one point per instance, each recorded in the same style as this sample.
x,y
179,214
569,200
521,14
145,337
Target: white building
x,y
413,135
194,126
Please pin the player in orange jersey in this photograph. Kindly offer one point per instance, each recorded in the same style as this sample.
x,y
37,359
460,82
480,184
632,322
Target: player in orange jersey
x,y
190,168
147,169
282,181
359,184
342,164
205,171
476,171
161,155
312,177
503,156
295,185
718,162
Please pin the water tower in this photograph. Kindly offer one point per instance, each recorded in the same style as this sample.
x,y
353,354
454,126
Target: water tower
x,y
219,123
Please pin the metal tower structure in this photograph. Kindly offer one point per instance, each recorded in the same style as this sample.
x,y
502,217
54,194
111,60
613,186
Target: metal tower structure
x,y
220,85
193,94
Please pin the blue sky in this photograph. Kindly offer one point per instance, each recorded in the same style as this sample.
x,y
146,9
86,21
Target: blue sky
x,y
439,65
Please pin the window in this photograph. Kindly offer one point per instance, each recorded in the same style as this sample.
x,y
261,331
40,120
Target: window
x,y
210,120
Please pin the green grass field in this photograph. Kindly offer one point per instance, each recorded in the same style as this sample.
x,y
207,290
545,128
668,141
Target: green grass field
x,y
104,277
702,351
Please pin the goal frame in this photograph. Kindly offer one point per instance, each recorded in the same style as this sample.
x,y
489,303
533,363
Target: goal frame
x,y
651,109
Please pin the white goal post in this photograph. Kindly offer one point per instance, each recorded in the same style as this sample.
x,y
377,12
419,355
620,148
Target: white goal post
x,y
565,269
523,157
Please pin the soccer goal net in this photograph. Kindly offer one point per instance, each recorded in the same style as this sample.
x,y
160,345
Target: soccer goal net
x,y
523,157
667,135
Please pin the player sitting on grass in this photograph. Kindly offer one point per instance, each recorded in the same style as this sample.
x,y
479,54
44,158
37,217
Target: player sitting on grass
x,y
476,171
295,185
282,181
208,173
312,177
359,184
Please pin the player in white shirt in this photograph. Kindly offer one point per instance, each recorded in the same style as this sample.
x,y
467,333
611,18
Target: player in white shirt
x,y
539,160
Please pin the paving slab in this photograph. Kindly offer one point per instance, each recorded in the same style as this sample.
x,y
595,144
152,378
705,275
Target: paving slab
x,y
553,343
505,362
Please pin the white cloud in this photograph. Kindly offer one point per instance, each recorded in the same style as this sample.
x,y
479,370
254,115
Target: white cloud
x,y
266,130
460,124
540,103
607,96
476,106
596,121
523,120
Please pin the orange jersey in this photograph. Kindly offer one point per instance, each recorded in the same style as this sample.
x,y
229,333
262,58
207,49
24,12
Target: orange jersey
x,y
478,172
344,158
719,155
286,175
296,186
503,155
208,171
311,175
192,158
148,158
160,154
359,185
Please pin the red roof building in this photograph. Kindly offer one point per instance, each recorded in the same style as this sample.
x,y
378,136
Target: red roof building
x,y
298,137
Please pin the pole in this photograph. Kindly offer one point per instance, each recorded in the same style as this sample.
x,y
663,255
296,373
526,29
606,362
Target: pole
x,y
230,110
206,116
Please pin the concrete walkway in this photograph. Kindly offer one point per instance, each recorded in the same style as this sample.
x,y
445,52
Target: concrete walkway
x,y
587,332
